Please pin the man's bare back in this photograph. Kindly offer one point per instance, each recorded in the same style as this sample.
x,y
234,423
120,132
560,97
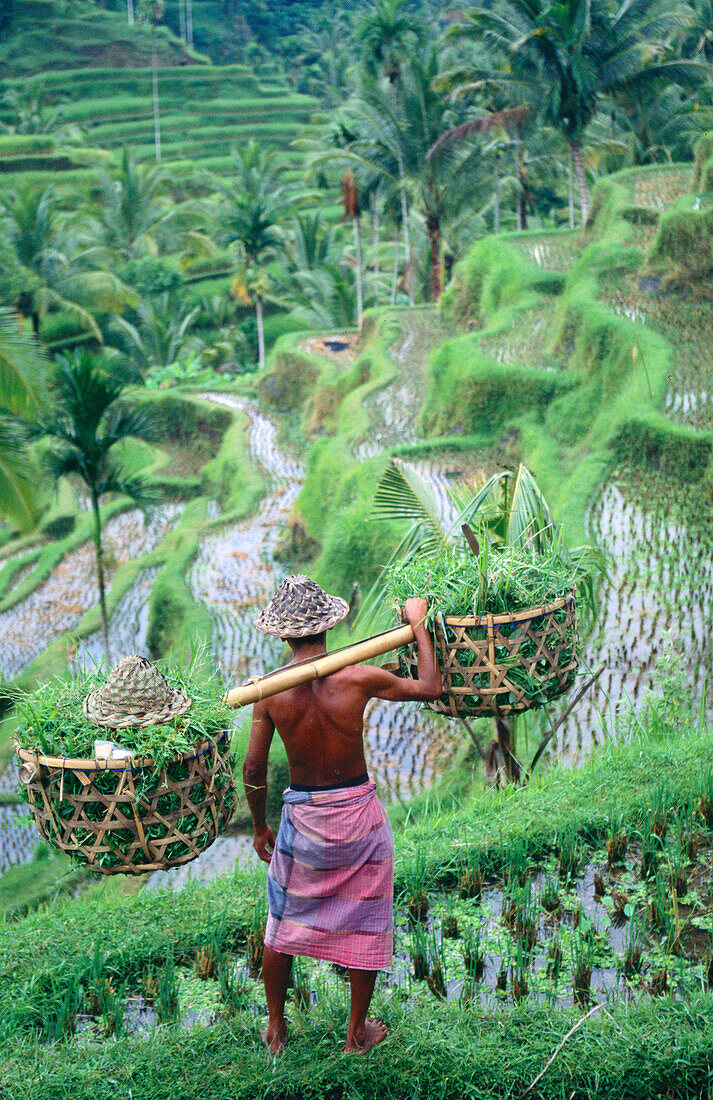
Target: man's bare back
x,y
321,723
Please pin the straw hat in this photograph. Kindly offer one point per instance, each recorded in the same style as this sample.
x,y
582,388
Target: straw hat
x,y
299,608
134,694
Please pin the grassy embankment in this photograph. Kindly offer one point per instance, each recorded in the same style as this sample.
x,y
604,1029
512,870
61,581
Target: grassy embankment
x,y
451,1049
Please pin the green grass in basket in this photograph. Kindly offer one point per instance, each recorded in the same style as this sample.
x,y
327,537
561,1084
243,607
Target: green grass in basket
x,y
456,582
52,722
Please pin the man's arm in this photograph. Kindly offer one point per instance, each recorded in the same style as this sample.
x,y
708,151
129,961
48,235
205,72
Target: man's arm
x,y
381,684
255,779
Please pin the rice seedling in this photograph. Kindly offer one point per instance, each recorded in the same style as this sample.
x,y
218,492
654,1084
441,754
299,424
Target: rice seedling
x,y
633,950
581,950
516,868
415,888
255,936
550,898
60,1016
111,1007
471,883
659,982
472,951
205,962
166,996
621,907
519,986
449,924
301,994
419,952
570,856
435,978
616,848
600,888
555,957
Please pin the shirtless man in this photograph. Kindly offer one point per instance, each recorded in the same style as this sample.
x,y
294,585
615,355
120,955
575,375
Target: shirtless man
x,y
330,881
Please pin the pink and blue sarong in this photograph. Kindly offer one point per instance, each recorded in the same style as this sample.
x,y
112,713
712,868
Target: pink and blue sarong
x,y
330,883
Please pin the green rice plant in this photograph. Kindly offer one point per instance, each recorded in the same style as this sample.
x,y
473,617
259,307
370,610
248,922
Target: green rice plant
x,y
415,882
436,979
617,843
111,1007
300,985
519,985
570,855
630,963
234,995
166,991
470,884
449,924
549,898
472,951
62,1007
582,954
418,951
256,931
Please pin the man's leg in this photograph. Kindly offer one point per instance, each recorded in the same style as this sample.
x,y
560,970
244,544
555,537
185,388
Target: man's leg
x,y
276,969
363,1034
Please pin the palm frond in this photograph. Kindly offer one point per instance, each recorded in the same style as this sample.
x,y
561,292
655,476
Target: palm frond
x,y
19,501
403,493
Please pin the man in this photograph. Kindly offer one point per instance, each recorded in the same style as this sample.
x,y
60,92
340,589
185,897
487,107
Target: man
x,y
331,876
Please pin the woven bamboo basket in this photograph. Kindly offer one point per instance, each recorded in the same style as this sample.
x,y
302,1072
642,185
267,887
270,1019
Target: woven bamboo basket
x,y
121,817
478,654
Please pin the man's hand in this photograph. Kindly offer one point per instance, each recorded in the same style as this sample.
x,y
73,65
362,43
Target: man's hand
x,y
415,611
263,841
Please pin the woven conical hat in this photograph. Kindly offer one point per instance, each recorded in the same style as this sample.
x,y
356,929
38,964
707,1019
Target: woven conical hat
x,y
134,693
300,607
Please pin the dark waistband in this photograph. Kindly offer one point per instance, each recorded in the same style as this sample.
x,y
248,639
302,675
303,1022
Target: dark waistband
x,y
360,779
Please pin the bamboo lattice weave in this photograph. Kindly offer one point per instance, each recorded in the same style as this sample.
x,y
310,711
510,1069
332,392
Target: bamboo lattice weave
x,y
119,817
503,664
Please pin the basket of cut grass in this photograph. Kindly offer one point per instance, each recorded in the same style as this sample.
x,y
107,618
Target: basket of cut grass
x,y
157,799
504,624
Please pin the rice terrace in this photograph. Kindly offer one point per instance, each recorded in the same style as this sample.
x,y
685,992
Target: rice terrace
x,y
356,549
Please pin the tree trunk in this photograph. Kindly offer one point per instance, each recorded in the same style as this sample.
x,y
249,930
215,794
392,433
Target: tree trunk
x,y
395,277
156,112
100,575
408,275
496,195
433,229
130,12
571,190
576,150
520,172
260,332
189,21
182,20
357,248
375,231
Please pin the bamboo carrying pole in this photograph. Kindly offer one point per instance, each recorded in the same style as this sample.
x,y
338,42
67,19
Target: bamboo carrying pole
x,y
262,687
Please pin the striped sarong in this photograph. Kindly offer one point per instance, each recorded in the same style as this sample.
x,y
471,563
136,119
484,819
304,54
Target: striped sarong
x,y
330,882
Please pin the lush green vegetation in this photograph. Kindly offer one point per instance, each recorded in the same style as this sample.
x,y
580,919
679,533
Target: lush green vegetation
x,y
502,220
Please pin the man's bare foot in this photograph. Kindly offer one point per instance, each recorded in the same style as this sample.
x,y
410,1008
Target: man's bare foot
x,y
366,1037
275,1039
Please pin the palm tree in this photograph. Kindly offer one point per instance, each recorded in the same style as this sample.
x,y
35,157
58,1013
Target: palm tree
x,y
576,53
249,215
161,334
52,252
352,210
132,208
89,420
387,35
22,384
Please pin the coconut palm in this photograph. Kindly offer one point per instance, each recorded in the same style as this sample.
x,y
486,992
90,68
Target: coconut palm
x,y
249,216
161,334
352,210
387,36
53,252
577,53
23,373
89,420
132,208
